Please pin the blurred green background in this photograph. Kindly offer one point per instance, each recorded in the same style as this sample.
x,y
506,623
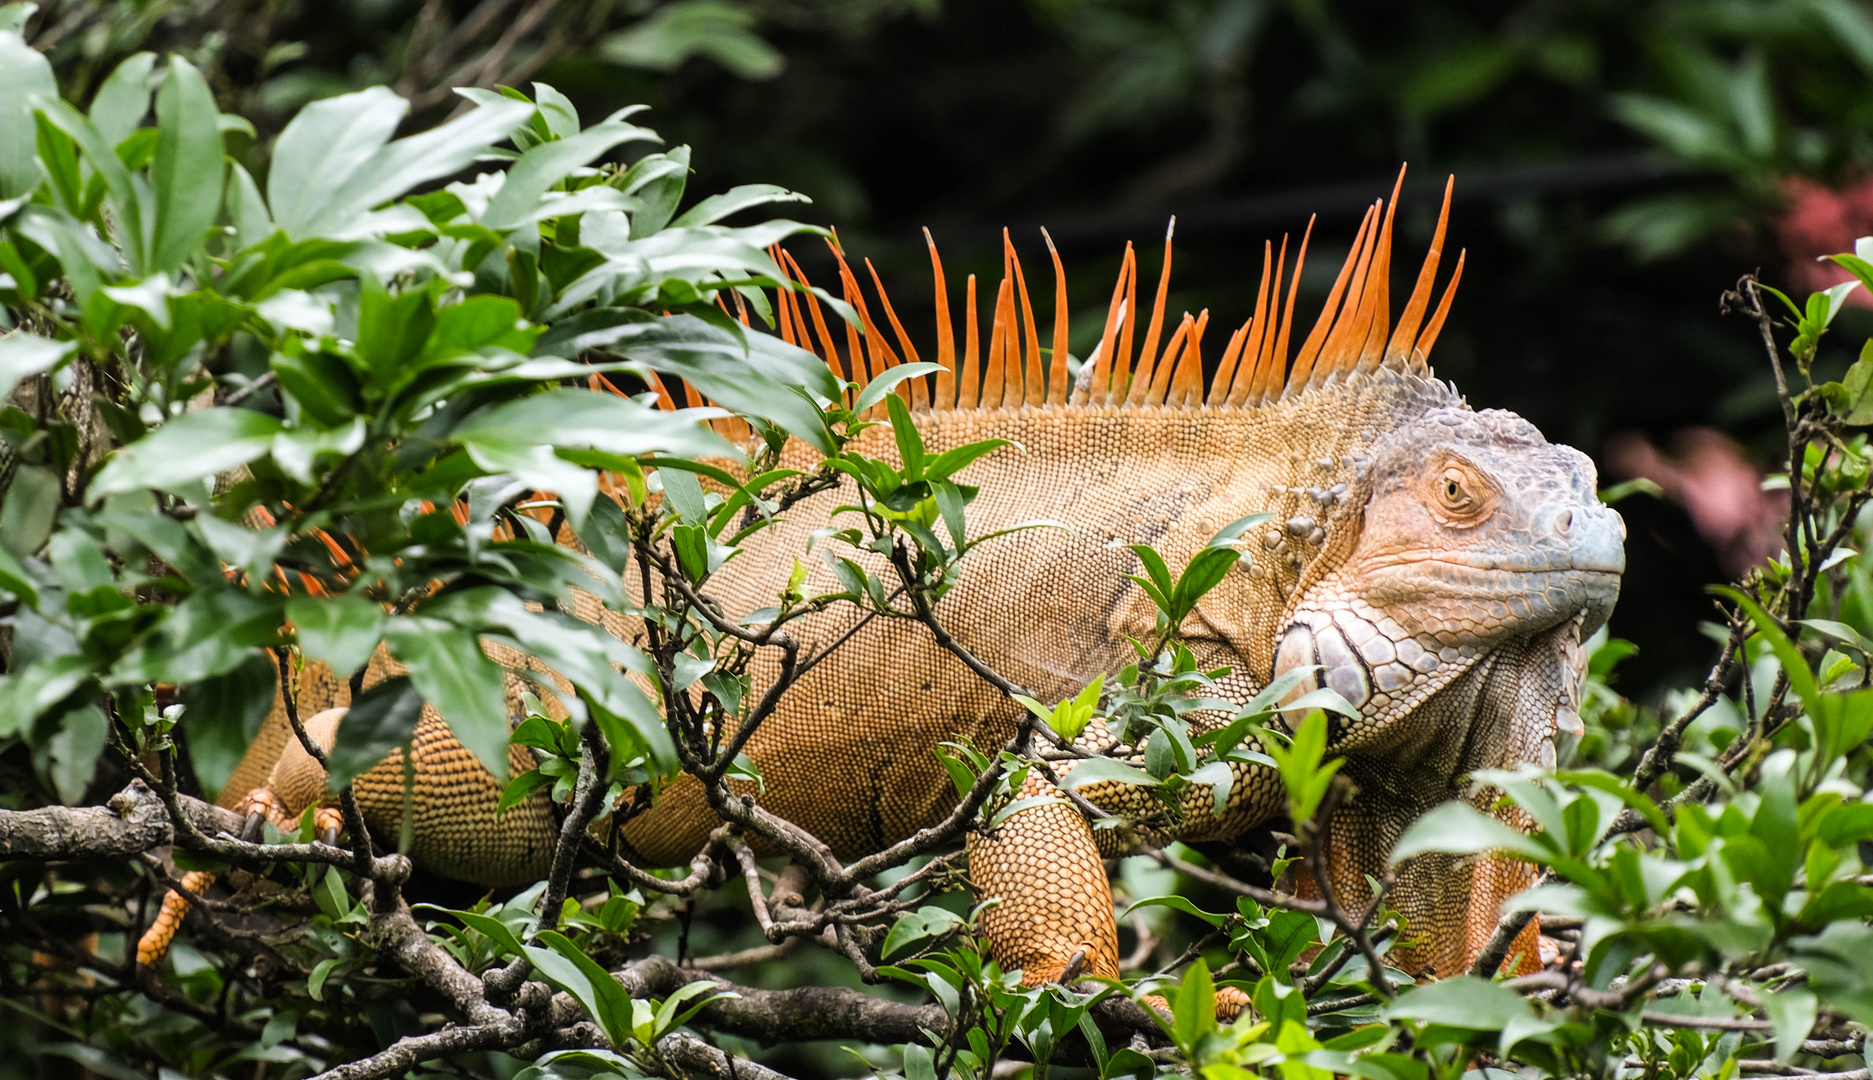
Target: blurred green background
x,y
1619,164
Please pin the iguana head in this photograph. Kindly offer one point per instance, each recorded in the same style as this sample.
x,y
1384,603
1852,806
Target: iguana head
x,y
1476,537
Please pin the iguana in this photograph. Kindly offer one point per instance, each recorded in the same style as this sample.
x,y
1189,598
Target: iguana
x,y
1439,565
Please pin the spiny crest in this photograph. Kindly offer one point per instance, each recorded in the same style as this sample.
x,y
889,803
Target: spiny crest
x,y
1352,335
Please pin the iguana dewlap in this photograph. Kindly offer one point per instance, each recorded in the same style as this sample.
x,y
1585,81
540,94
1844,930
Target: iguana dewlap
x,y
1440,566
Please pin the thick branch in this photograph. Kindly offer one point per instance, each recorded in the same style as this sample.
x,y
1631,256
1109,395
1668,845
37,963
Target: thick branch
x,y
132,822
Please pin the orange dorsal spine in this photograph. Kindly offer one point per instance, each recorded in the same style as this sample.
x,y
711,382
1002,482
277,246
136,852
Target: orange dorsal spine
x,y
946,333
1057,369
1353,336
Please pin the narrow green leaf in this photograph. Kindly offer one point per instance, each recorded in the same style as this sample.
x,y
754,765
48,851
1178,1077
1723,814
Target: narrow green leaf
x,y
126,200
1102,770
486,925
733,201
187,174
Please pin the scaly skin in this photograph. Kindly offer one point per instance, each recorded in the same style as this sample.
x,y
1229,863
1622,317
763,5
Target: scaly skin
x,y
1440,565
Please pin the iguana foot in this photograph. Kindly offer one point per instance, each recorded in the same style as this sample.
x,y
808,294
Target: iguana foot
x,y
258,805
1229,1003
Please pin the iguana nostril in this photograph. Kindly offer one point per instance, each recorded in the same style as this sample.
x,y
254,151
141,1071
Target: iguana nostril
x,y
1564,521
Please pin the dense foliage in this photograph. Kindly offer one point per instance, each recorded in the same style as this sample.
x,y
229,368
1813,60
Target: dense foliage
x,y
243,416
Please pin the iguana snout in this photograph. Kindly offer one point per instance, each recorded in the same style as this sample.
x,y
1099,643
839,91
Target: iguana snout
x,y
1475,531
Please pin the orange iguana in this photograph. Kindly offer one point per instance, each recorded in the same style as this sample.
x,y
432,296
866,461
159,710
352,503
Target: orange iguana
x,y
1440,566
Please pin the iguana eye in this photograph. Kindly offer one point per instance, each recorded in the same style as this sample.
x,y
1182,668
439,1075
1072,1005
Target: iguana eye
x,y
1461,495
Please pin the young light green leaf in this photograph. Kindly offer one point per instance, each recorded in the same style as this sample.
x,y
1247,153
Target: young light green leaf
x,y
124,98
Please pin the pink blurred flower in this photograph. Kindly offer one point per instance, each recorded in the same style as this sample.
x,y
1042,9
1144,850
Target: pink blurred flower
x,y
1821,221
1709,474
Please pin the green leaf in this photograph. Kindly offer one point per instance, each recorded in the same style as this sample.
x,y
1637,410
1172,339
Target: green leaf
x,y
23,354
556,111
590,420
733,201
30,509
13,576
755,374
1458,828
187,174
24,72
520,789
127,201
381,720
676,32
124,98
191,447
1463,1002
342,631
315,983
548,163
1195,1007
1101,770
1322,698
605,999
1792,1011
1799,675
392,328
224,714
323,146
469,690
486,925
956,459
674,1012
909,443
1180,903
882,385
339,185
249,550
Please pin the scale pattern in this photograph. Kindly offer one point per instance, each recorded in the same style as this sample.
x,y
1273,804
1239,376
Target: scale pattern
x,y
1141,447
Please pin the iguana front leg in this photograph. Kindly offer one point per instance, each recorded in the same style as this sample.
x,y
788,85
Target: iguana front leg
x,y
1054,921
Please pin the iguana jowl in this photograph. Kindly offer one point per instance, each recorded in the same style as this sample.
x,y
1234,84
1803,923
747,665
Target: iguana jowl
x,y
1440,566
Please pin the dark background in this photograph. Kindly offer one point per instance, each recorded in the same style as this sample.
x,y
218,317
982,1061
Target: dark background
x,y
1619,165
